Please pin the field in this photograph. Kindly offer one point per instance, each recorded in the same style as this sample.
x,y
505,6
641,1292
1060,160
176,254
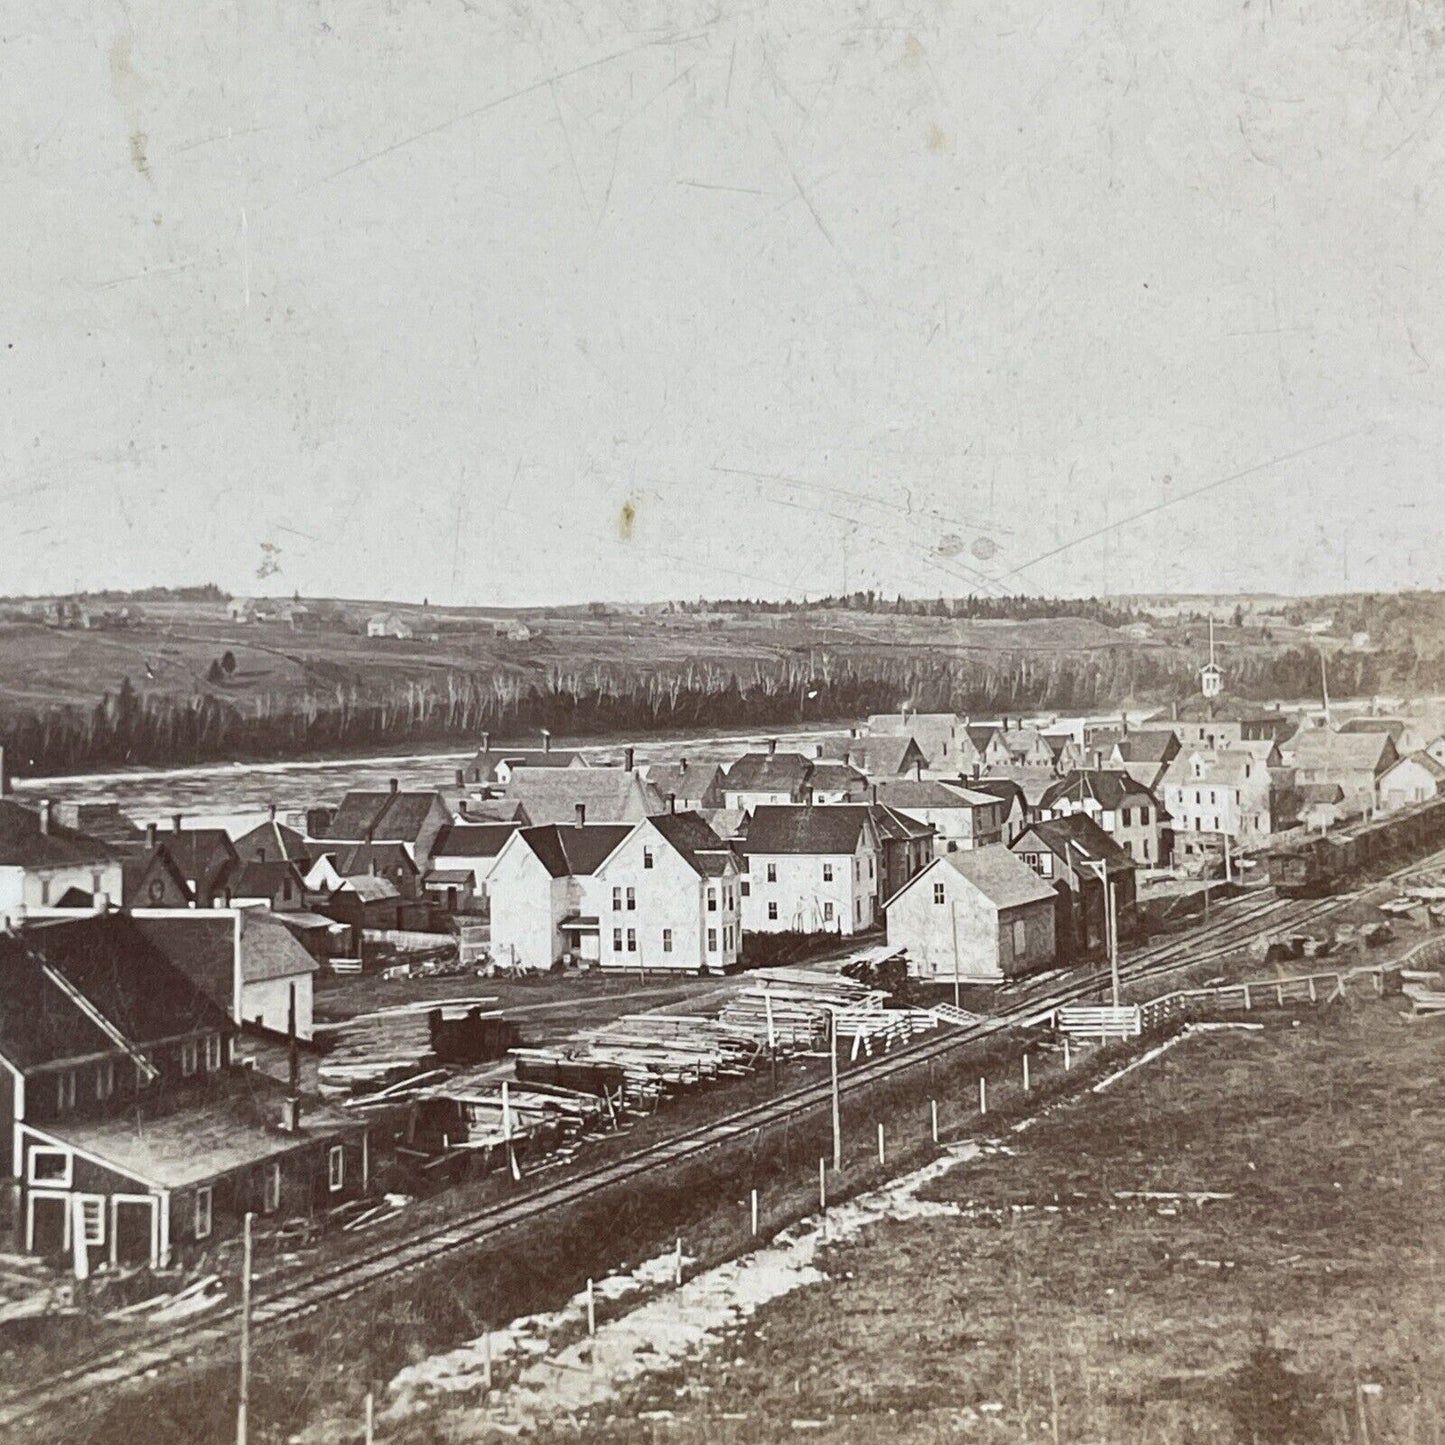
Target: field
x,y
1297,1300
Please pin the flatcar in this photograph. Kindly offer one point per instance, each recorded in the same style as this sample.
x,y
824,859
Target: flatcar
x,y
1310,865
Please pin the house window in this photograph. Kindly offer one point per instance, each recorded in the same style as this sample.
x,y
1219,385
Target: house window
x,y
827,913
746,888
631,900
188,1058
335,1168
271,1189
870,868
712,940
1124,816
617,900
1146,850
827,873
647,857
44,892
938,892
667,940
213,1053
92,1218
65,1090
632,940
203,1212
1021,939
617,940
712,900
50,1166
772,912
772,872
105,1079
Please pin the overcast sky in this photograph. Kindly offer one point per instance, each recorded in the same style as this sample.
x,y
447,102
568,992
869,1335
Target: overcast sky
x,y
494,302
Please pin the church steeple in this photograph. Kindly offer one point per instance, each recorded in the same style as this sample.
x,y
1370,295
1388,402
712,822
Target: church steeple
x,y
1211,679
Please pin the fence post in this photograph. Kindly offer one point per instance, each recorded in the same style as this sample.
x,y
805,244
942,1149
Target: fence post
x,y
755,1213
1026,1073
822,1184
1068,1062
487,1360
982,1095
370,1418
1279,994
881,1158
1314,998
1246,998
591,1311
1380,982
677,1266
933,1118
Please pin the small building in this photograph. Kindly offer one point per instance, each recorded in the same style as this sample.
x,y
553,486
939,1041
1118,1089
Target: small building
x,y
150,878
1126,810
204,857
269,841
981,916
389,624
41,860
491,766
277,883
690,787
960,816
905,847
1414,779
1356,761
942,738
767,778
472,848
412,818
605,795
1069,853
1145,754
810,869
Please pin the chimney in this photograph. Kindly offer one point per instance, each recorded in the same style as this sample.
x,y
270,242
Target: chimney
x,y
817,750
175,822
486,742
271,811
45,815
392,784
772,746
291,1106
581,814
874,790
462,806
672,802
461,778
977,770
1124,723
682,765
1174,710
4,774
546,740
918,770
151,836
629,758
260,855
100,901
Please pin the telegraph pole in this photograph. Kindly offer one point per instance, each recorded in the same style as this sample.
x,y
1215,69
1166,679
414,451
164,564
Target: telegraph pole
x,y
833,1075
244,1400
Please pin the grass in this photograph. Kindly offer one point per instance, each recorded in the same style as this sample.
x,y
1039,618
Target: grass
x,y
1060,1306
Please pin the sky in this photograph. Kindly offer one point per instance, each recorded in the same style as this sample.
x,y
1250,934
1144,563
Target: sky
x,y
499,303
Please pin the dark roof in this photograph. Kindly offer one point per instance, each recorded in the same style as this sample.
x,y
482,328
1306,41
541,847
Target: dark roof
x,y
834,777
910,793
193,850
261,880
273,839
120,973
980,735
830,829
768,773
689,833
1393,725
136,867
486,760
1110,787
384,816
472,840
1077,837
24,845
1152,745
202,944
685,780
885,755
1308,793
351,860
568,850
892,824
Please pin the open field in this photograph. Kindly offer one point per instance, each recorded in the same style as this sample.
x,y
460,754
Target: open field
x,y
1063,1304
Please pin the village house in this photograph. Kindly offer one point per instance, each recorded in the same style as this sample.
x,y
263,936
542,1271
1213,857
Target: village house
x,y
884,756
981,916
1068,752
810,869
990,750
1019,811
150,878
1068,853
269,841
960,816
610,795
1222,793
836,782
362,901
491,767
1028,747
941,737
1414,779
96,818
690,786
1145,754
1356,761
204,857
1219,722
333,863
771,777
905,847
244,960
473,848
277,884
1126,810
389,624
410,818
41,860
134,1139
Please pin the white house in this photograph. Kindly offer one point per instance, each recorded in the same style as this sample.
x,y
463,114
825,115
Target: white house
x,y
1220,793
667,897
982,915
761,779
472,848
1123,807
1414,779
388,624
961,817
810,870
41,861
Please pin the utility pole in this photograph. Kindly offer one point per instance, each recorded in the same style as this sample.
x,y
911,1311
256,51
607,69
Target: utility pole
x,y
957,962
1111,924
244,1399
833,1075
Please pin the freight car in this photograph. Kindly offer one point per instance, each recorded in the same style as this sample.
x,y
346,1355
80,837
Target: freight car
x,y
1310,865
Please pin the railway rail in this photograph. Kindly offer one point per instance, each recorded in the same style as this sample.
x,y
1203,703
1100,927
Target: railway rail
x,y
294,1299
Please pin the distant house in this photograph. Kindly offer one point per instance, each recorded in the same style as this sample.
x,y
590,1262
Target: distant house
x,y
473,847
1212,794
1019,812
1068,752
492,766
942,737
886,755
767,778
1356,761
276,884
690,786
834,782
1145,754
601,795
1027,747
905,847
333,863
241,609
983,916
41,860
960,816
152,879
269,841
990,749
1395,727
412,818
1413,779
1137,631
100,819
1126,810
1069,853
389,624
1219,722
810,869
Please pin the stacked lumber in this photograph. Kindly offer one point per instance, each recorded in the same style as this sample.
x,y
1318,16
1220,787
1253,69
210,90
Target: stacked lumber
x,y
798,1007
389,1046
1425,995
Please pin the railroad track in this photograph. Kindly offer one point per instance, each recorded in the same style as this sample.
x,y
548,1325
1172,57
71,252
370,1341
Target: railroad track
x,y
294,1300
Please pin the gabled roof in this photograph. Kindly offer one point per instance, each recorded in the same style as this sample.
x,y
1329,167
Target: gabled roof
x,y
1321,748
1004,879
1320,793
727,823
573,851
270,950
830,777
885,756
1421,759
486,761
699,846
802,828
610,795
261,880
909,723
120,973
24,845
1006,790
1077,838
472,840
1057,742
353,860
273,840
1110,788
684,780
1229,767
980,734
894,825
136,867
1151,745
910,793
768,773
1395,726
1022,740
385,817
368,888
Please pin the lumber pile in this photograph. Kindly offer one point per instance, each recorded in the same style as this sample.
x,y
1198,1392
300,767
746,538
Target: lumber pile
x,y
389,1046
791,1010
